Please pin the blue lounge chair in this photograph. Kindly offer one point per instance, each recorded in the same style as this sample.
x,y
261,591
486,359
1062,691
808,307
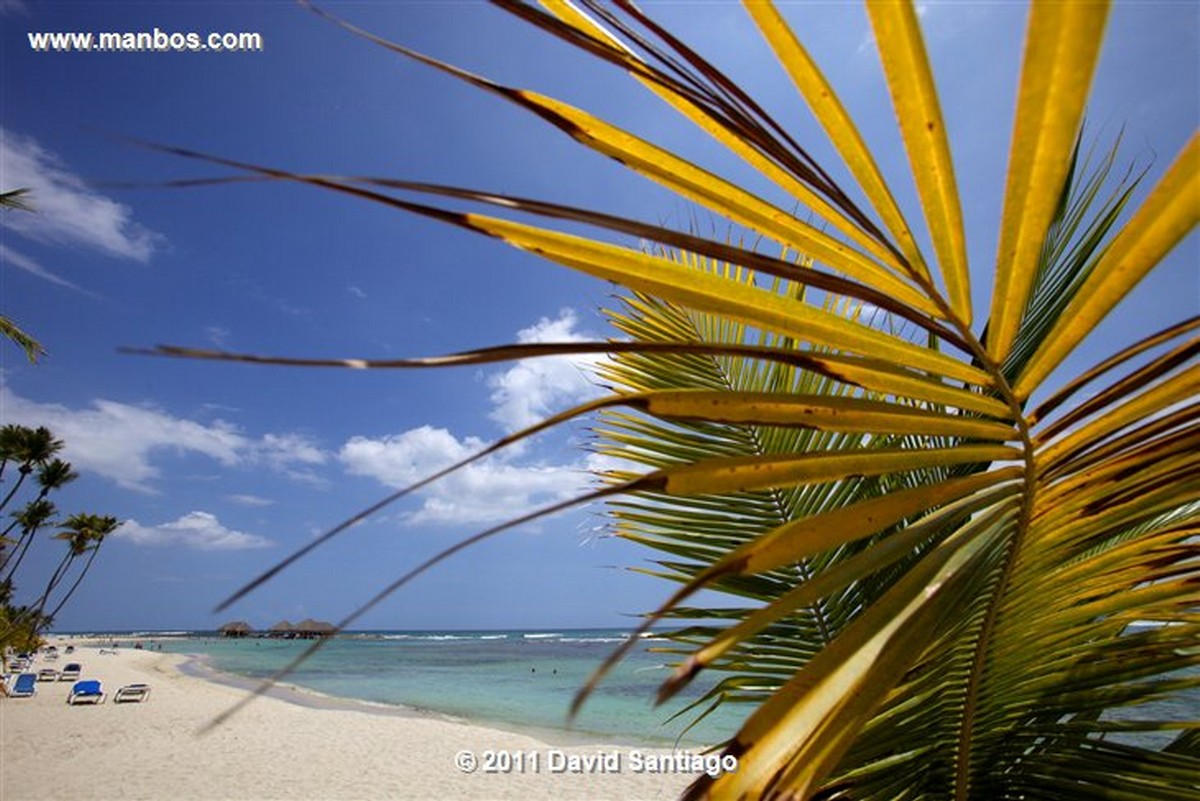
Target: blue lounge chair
x,y
70,672
86,692
24,687
132,692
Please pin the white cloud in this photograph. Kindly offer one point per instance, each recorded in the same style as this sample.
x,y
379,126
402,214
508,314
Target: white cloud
x,y
280,451
285,453
488,491
118,440
201,531
217,335
68,212
497,488
23,262
532,389
249,500
402,459
356,291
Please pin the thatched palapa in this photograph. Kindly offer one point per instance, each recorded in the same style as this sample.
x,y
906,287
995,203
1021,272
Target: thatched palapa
x,y
235,628
309,629
282,629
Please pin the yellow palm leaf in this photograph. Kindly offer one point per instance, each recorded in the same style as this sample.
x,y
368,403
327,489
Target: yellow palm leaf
x,y
910,80
1169,214
1062,45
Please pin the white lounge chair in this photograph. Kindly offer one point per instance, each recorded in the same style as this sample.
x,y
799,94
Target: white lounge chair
x,y
132,693
70,672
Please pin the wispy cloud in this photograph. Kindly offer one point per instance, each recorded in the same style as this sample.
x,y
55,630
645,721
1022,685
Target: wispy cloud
x,y
23,262
16,7
217,335
68,212
249,500
201,531
119,440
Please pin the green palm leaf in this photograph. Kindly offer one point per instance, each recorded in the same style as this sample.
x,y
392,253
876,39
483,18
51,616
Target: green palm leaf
x,y
940,593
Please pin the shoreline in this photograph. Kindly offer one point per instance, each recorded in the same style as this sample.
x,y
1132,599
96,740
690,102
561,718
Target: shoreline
x,y
199,666
289,743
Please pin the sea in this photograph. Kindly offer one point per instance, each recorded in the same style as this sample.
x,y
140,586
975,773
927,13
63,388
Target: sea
x,y
524,680
513,679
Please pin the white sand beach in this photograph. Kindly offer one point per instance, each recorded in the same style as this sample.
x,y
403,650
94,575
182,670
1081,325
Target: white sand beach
x,y
278,749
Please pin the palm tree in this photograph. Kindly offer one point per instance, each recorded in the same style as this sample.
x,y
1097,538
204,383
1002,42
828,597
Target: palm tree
x,y
15,199
959,580
54,475
36,514
30,449
10,442
82,532
85,533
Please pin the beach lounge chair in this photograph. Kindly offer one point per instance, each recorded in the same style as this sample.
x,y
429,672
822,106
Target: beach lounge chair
x,y
132,693
47,674
24,687
86,692
70,672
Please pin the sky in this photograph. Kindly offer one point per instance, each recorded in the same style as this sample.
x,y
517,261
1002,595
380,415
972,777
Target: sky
x,y
220,470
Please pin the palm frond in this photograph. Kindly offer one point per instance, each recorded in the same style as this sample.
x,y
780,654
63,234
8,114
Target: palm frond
x,y
939,594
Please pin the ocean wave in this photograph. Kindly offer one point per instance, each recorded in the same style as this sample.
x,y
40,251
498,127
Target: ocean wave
x,y
425,637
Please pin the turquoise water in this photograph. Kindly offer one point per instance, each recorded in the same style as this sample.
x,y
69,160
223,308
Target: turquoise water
x,y
519,678
505,677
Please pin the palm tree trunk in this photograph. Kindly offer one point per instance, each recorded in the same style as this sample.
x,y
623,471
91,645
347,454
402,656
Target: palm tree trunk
x,y
59,573
87,566
34,612
18,550
24,543
7,556
14,489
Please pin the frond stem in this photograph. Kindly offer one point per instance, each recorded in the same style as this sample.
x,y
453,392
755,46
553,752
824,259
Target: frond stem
x,y
962,781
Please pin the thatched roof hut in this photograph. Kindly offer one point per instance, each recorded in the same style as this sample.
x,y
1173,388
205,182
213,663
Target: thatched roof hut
x,y
235,628
282,629
309,629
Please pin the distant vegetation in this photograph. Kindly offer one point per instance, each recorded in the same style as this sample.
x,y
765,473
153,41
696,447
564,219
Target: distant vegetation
x,y
28,462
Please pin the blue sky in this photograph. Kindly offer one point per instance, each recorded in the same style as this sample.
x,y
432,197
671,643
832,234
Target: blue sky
x,y
220,470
